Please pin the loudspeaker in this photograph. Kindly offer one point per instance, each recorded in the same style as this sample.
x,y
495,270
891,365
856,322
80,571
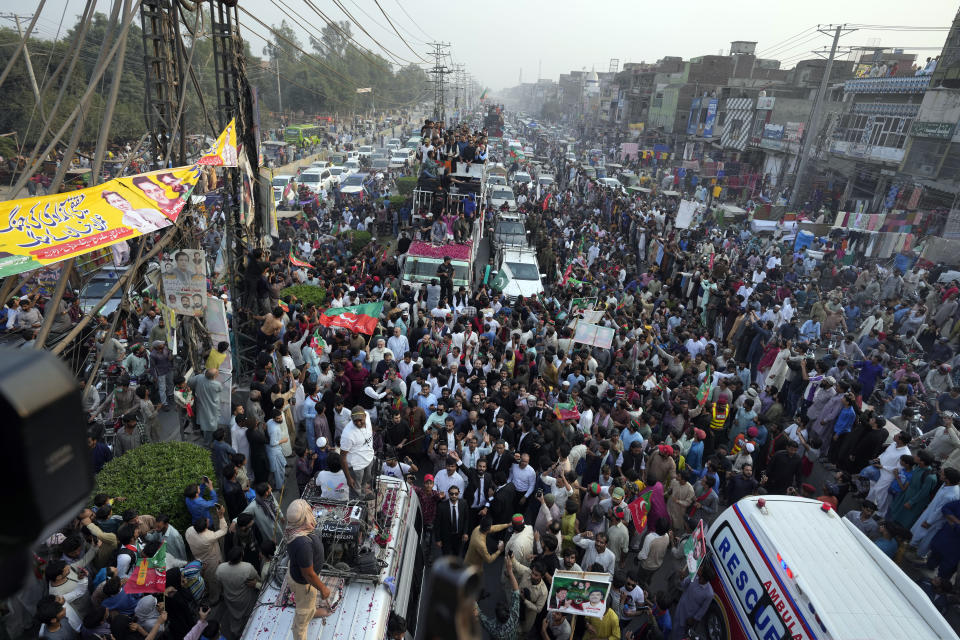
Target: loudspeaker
x,y
45,464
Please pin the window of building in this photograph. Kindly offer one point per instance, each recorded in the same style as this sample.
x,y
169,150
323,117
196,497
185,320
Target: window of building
x,y
876,131
951,164
924,157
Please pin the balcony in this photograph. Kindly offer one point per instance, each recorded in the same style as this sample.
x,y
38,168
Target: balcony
x,y
900,84
859,151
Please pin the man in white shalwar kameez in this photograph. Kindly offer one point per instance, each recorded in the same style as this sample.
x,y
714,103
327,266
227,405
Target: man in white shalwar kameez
x,y
931,519
889,465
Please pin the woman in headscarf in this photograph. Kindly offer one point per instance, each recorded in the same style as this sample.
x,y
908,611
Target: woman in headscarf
x,y
147,614
306,554
179,605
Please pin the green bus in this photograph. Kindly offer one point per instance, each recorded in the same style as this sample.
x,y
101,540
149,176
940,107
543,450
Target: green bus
x,y
301,133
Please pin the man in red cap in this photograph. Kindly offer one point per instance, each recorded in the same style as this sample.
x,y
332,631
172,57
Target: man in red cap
x,y
520,544
694,457
661,467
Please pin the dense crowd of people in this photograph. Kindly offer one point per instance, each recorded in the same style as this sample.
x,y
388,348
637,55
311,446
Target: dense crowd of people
x,y
736,366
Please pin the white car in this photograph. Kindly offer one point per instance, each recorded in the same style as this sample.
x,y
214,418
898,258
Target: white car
x,y
500,196
612,183
338,173
522,177
398,160
394,143
354,184
545,180
280,183
522,272
365,151
571,157
352,166
496,180
313,179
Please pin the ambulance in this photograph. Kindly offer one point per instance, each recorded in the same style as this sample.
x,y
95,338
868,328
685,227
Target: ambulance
x,y
790,568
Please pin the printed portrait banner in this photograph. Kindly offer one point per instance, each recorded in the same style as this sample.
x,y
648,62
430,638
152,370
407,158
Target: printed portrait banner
x,y
35,232
579,593
184,275
685,214
223,153
594,334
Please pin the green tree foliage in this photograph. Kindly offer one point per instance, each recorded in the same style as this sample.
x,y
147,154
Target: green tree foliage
x,y
152,478
322,83
305,294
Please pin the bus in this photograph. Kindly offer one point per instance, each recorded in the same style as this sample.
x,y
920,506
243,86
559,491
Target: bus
x,y
300,133
790,568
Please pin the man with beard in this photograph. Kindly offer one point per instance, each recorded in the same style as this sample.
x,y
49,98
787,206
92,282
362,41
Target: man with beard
x,y
244,535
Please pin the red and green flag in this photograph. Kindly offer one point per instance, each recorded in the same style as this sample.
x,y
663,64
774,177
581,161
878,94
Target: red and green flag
x,y
640,509
317,343
566,411
297,262
361,318
483,96
150,574
704,391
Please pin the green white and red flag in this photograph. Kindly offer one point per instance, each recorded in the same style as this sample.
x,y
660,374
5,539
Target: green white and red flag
x,y
297,262
150,574
361,318
640,509
566,411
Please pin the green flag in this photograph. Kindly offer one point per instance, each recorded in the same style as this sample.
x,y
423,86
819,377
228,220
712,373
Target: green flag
x,y
500,281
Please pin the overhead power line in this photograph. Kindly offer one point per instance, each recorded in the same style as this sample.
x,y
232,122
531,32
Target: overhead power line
x,y
415,23
390,22
772,47
395,57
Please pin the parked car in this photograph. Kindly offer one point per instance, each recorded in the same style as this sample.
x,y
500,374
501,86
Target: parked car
x,y
354,184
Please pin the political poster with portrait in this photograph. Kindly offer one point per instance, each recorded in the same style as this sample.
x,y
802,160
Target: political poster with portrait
x,y
594,334
35,232
579,593
184,274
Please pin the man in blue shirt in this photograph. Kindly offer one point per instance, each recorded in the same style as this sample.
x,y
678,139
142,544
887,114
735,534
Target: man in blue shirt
x,y
870,372
117,600
197,505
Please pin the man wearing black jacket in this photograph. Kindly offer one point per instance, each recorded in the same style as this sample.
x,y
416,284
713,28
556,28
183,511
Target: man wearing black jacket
x,y
501,508
500,460
452,526
479,481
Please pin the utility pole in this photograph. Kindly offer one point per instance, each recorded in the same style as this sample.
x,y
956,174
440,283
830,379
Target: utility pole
x,y
30,73
279,95
814,125
439,71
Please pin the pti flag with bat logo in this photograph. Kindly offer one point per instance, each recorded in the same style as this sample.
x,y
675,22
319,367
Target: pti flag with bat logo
x,y
150,574
361,318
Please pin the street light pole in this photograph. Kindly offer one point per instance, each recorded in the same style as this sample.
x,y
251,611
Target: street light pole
x,y
814,124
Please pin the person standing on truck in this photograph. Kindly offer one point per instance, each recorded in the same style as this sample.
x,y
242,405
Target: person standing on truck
x,y
306,554
445,273
693,604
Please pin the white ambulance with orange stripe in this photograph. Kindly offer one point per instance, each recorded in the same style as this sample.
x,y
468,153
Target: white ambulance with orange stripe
x,y
789,568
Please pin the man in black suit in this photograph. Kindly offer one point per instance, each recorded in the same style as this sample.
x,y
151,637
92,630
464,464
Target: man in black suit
x,y
501,509
478,484
452,526
528,440
500,459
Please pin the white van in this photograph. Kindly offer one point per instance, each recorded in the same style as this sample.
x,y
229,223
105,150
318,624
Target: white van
x,y
361,602
791,568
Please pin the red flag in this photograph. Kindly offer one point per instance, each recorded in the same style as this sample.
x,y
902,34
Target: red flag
x,y
640,508
298,262
150,574
361,318
566,274
546,201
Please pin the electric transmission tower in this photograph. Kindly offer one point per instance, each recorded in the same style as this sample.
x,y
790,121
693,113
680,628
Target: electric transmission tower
x,y
439,71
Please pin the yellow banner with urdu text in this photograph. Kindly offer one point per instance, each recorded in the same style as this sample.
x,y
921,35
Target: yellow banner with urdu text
x,y
39,231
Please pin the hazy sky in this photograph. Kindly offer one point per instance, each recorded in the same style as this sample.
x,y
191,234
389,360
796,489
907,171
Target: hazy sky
x,y
495,39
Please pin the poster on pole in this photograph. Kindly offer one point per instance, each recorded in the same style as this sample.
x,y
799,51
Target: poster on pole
x,y
218,326
579,593
685,214
695,549
592,317
169,326
594,334
184,275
